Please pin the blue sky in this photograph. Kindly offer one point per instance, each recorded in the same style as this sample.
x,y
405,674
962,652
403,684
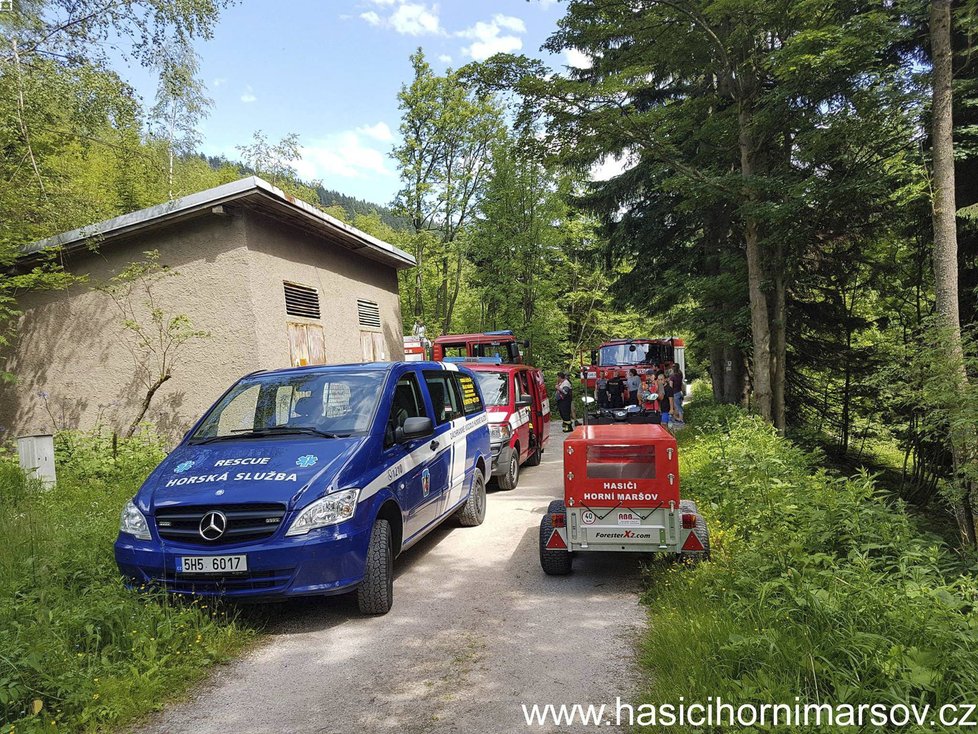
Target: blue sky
x,y
330,70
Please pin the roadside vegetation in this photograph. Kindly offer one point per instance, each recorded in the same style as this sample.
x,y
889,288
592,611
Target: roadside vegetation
x,y
820,586
78,651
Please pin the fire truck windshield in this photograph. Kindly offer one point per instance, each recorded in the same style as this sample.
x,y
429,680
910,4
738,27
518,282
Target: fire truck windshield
x,y
621,355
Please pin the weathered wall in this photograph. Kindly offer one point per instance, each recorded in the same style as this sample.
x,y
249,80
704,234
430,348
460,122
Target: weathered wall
x,y
280,254
71,346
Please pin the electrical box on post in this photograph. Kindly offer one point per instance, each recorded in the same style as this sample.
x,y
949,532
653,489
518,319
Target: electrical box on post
x,y
36,455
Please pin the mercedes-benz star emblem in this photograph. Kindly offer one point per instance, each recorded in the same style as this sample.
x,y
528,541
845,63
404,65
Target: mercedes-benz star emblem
x,y
213,525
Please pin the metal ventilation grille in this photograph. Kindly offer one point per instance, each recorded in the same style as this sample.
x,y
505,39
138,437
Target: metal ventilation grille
x,y
369,313
301,300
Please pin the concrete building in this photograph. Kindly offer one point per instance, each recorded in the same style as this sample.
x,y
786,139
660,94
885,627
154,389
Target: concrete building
x,y
273,281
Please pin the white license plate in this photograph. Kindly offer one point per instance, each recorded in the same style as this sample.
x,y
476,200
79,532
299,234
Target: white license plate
x,y
212,564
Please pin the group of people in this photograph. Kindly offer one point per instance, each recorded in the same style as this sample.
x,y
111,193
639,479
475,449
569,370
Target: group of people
x,y
660,392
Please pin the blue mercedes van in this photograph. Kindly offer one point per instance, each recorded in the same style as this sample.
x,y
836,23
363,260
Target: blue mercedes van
x,y
310,481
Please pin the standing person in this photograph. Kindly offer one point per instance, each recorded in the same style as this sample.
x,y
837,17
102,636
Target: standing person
x,y
616,390
662,387
601,388
634,384
563,396
676,383
421,333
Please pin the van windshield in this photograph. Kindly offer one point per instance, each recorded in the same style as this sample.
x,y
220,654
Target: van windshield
x,y
494,386
329,404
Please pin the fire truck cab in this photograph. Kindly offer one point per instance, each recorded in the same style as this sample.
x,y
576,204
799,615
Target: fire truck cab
x,y
519,417
494,346
621,493
645,355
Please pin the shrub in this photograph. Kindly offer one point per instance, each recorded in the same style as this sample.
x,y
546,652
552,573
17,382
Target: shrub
x,y
78,650
820,587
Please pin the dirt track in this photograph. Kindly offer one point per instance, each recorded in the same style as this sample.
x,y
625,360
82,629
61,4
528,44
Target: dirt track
x,y
476,630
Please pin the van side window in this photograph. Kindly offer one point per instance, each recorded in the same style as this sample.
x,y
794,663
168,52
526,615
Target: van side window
x,y
445,398
407,403
471,402
522,385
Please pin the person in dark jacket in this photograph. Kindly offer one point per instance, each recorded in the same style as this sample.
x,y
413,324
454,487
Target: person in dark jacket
x,y
616,392
564,396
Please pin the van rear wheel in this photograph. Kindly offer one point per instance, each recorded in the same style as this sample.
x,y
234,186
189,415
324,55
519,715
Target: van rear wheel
x,y
375,594
536,456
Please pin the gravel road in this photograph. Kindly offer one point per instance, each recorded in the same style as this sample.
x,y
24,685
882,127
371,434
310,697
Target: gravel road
x,y
476,630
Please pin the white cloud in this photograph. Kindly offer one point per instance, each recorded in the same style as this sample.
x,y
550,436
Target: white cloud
x,y
578,59
343,155
380,132
610,167
383,2
488,38
445,58
371,17
249,95
415,20
219,82
546,4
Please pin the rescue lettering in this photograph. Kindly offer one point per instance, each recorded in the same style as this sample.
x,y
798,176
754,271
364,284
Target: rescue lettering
x,y
246,460
199,479
239,477
619,485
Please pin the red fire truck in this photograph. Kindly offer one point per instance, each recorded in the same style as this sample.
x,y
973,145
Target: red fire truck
x,y
621,493
490,346
645,355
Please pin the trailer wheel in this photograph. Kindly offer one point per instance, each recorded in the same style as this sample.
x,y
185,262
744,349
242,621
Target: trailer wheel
x,y
688,506
556,506
704,535
473,512
512,475
554,562
375,594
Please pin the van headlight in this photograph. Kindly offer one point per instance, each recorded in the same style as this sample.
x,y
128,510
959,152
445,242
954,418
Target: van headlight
x,y
499,432
331,509
133,522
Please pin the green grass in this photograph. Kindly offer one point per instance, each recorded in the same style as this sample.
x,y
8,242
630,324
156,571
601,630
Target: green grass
x,y
78,652
820,587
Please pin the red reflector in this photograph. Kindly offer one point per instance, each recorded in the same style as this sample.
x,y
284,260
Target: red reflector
x,y
693,543
556,542
689,520
559,519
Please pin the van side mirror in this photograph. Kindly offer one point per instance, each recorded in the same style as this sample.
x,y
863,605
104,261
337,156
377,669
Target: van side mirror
x,y
413,428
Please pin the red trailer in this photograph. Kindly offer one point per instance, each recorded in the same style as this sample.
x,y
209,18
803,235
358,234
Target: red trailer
x,y
621,493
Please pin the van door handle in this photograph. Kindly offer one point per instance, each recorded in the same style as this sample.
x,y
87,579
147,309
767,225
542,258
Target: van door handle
x,y
434,445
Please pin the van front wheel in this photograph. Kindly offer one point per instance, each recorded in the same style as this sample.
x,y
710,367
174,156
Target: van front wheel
x,y
473,512
375,594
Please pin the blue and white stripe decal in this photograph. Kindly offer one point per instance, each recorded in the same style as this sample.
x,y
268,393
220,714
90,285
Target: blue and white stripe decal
x,y
456,432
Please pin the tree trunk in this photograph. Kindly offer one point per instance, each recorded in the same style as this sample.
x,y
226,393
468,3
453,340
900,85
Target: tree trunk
x,y
717,371
760,322
145,406
946,240
779,346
